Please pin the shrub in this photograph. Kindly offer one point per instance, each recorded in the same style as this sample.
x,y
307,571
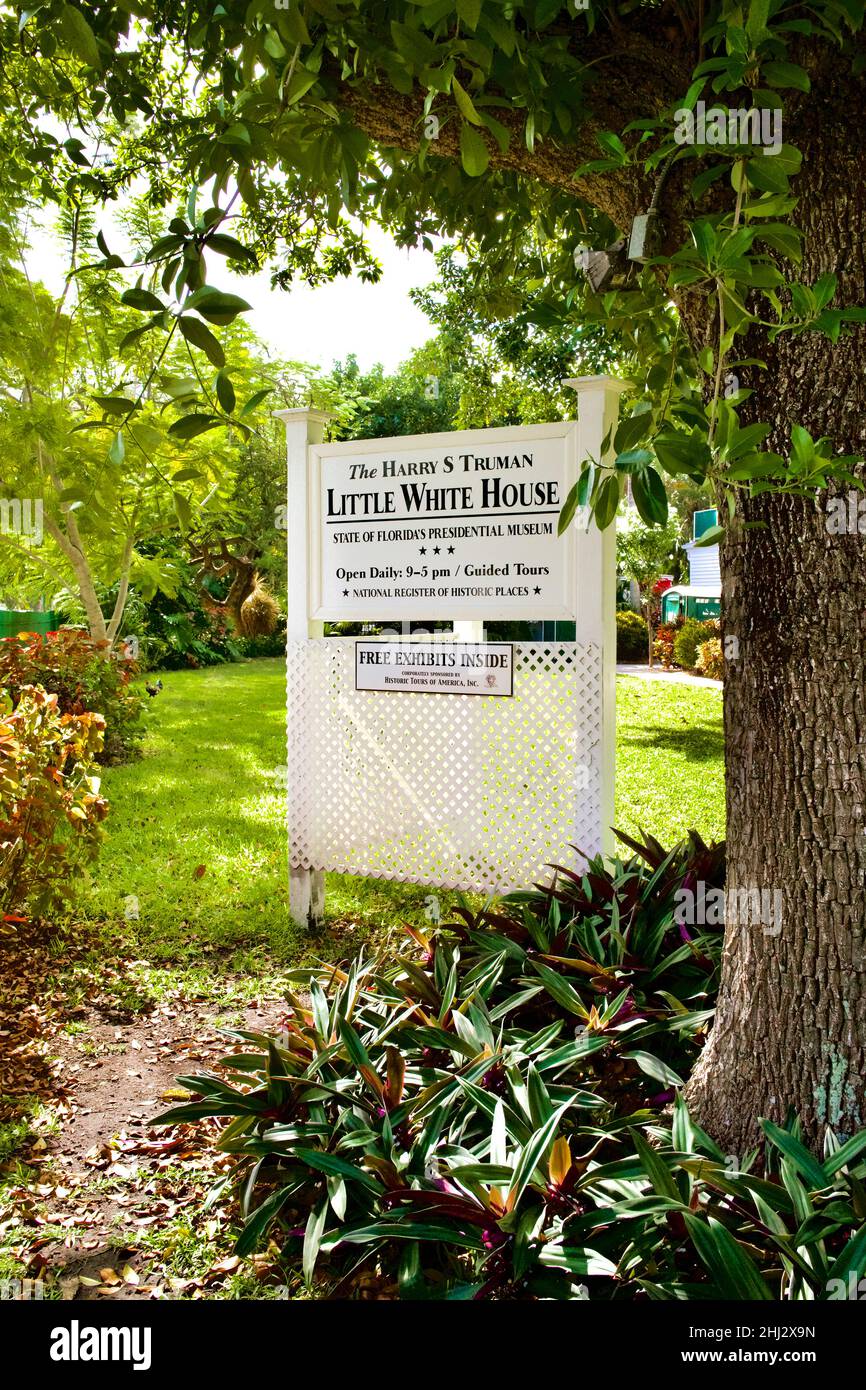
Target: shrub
x,y
273,645
690,636
460,1120
70,665
177,631
482,1117
710,660
663,644
632,638
50,806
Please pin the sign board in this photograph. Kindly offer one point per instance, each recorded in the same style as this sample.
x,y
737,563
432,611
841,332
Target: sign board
x,y
436,668
458,528
443,526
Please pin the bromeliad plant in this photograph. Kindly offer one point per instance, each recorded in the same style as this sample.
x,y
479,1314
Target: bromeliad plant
x,y
430,1121
396,1149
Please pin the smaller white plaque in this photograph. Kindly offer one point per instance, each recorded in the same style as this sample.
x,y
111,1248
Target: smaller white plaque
x,y
435,668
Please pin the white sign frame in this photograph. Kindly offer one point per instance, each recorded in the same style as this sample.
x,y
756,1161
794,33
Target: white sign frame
x,y
592,568
514,437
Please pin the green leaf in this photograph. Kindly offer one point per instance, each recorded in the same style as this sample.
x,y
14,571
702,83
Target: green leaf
x,y
329,1163
129,338
464,102
824,289
767,175
255,400
200,336
163,246
655,1068
139,298
682,453
229,246
560,990
534,1150
474,154
612,145
631,430
146,437
853,1256
711,536
117,451
650,497
188,426
225,392
656,1169
313,1239
115,405
411,44
756,20
260,1220
566,516
298,85
845,1154
805,1163
469,11
215,305
77,34
182,509
786,75
606,503
734,1273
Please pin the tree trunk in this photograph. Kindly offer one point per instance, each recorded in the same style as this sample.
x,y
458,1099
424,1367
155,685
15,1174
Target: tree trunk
x,y
84,579
122,592
791,1021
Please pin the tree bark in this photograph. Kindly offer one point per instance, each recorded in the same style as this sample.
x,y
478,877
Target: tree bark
x,y
86,588
122,592
790,1027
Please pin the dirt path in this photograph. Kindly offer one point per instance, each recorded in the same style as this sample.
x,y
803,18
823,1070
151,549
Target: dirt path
x,y
98,1202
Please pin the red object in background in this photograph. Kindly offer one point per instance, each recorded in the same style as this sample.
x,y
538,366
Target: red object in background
x,y
661,585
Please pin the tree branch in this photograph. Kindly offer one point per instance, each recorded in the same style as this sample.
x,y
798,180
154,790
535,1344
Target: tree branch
x,y
649,78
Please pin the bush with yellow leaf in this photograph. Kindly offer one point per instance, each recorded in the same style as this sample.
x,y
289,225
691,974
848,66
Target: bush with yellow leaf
x,y
50,803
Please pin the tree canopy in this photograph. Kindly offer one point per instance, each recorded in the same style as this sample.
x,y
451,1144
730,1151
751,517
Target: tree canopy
x,y
532,131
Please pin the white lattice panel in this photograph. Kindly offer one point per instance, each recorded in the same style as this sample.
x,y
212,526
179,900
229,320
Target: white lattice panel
x,y
454,791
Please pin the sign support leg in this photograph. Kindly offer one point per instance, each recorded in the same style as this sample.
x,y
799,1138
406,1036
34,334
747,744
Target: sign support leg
x,y
303,427
597,413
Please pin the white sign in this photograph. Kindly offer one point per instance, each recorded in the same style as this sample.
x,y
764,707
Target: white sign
x,y
443,526
436,668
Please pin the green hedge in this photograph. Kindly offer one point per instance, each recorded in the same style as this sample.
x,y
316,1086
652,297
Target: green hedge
x,y
632,638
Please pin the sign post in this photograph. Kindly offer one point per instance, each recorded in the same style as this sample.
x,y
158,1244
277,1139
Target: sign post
x,y
598,411
303,428
397,769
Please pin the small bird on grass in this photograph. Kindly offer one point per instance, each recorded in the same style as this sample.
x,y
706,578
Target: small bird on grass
x,y
153,688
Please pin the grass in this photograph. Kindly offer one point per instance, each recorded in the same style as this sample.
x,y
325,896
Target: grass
x,y
670,774
197,841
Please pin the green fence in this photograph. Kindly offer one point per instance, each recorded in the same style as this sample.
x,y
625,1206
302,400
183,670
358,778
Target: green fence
x,y
13,621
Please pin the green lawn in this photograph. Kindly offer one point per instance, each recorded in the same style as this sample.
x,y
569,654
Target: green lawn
x,y
670,774
196,831
197,834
